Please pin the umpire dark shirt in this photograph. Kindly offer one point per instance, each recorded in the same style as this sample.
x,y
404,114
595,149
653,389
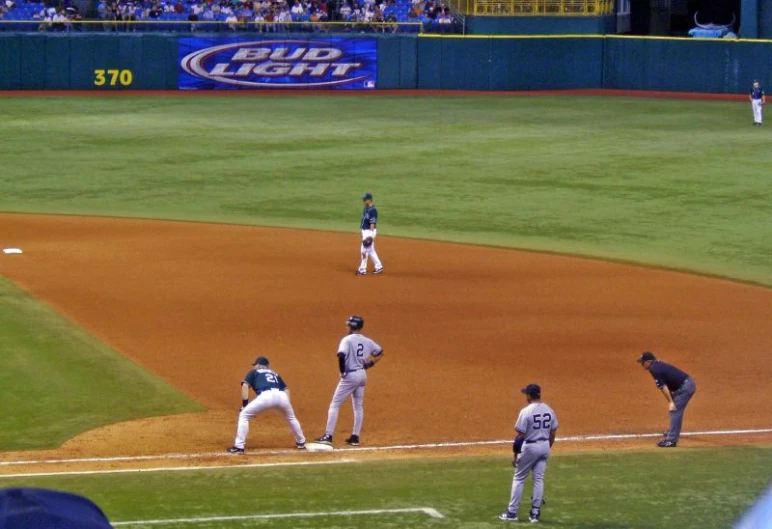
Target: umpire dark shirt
x,y
667,375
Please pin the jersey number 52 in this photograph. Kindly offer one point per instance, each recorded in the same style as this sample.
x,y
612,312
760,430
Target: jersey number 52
x,y
542,421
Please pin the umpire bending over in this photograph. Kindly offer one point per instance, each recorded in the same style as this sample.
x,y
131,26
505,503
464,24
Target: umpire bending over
x,y
678,388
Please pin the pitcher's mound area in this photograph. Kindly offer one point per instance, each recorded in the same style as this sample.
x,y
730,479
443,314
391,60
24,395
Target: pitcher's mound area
x,y
463,328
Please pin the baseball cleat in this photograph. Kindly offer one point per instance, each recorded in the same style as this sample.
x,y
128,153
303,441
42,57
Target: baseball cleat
x,y
534,516
235,450
325,439
353,440
666,444
360,273
300,446
379,271
508,516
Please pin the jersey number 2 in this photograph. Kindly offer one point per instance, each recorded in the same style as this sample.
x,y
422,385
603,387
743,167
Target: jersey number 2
x,y
360,350
542,421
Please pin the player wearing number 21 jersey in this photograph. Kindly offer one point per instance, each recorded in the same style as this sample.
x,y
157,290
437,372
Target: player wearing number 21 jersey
x,y
535,427
272,393
356,354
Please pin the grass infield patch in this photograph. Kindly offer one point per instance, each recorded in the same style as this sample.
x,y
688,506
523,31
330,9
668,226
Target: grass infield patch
x,y
57,381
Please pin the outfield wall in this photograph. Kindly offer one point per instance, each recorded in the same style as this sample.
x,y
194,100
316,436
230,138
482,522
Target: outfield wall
x,y
45,61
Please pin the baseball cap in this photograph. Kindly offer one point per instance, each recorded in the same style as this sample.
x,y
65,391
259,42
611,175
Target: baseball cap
x,y
261,361
532,390
646,356
367,196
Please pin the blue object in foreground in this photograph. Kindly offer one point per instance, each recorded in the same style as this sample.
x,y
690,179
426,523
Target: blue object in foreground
x,y
49,509
760,515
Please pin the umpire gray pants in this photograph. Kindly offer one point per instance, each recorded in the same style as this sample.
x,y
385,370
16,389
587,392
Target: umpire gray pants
x,y
681,398
533,459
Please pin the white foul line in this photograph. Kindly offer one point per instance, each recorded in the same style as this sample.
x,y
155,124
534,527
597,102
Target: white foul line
x,y
460,444
434,513
177,469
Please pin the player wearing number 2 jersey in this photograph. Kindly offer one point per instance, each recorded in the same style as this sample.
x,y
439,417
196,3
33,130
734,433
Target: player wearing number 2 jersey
x,y
535,427
356,354
271,392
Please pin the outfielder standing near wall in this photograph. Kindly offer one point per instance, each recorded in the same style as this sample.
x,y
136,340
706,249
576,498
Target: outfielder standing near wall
x,y
356,354
536,426
368,226
758,99
272,393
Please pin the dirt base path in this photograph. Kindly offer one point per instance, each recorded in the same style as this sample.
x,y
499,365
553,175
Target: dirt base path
x,y
463,327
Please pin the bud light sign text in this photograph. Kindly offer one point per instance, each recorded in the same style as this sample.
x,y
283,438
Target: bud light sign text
x,y
338,63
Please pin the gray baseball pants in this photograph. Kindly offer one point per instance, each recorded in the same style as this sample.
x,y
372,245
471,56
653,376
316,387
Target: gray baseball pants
x,y
681,398
533,459
352,385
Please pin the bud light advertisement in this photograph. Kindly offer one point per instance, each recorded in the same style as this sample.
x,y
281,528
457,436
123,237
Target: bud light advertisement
x,y
315,63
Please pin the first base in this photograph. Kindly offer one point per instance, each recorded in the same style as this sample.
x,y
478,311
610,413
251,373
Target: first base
x,y
12,250
318,447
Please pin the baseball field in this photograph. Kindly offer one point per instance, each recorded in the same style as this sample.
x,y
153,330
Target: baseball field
x,y
169,240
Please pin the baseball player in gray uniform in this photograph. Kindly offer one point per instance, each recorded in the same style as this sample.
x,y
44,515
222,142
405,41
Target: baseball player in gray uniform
x,y
536,426
356,354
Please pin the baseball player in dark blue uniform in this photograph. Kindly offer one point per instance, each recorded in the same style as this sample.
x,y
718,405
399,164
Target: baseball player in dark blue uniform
x,y
758,99
272,393
677,387
369,227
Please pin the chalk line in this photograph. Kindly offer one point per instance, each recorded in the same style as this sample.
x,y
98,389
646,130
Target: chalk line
x,y
434,513
177,469
459,444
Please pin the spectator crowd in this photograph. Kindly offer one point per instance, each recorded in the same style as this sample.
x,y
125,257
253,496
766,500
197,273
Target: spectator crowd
x,y
257,15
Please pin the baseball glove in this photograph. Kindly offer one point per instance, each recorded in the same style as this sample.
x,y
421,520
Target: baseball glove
x,y
367,242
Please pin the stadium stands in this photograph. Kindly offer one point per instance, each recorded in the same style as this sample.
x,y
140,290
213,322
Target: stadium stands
x,y
270,16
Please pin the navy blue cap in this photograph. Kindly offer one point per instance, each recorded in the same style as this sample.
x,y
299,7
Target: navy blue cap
x,y
261,361
367,196
646,356
532,390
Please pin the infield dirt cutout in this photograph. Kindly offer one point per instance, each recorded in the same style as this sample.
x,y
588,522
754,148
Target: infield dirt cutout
x,y
463,327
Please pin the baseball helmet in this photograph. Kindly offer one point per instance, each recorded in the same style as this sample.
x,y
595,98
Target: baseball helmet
x,y
355,322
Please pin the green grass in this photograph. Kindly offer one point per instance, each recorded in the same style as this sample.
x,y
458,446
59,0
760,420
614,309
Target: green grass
x,y
675,183
57,381
674,489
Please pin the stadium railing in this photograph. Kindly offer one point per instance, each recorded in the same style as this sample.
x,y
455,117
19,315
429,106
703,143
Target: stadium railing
x,y
534,7
185,26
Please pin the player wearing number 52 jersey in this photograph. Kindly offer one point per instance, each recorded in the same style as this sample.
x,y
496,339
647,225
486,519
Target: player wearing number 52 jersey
x,y
536,426
272,393
356,354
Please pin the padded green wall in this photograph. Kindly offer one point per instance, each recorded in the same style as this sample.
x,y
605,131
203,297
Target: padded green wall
x,y
58,61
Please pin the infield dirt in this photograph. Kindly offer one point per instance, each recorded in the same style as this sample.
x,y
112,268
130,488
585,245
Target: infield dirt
x,y
463,327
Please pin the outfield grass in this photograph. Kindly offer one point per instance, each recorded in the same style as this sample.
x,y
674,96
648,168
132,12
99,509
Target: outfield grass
x,y
57,381
673,489
677,183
